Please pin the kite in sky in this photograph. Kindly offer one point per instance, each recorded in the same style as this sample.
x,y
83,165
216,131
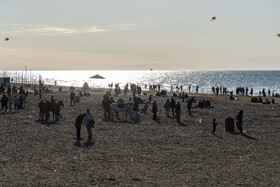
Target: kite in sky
x,y
6,38
213,18
278,34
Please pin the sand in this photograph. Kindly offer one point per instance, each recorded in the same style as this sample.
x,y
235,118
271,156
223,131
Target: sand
x,y
146,153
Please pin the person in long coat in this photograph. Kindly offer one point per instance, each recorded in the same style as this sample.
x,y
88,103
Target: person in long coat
x,y
167,107
178,112
154,110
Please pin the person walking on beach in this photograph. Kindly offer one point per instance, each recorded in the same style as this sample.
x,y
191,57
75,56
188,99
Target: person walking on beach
x,y
239,121
251,92
167,107
41,114
40,93
53,103
4,102
72,97
214,126
10,100
154,110
178,112
78,124
189,106
89,121
172,105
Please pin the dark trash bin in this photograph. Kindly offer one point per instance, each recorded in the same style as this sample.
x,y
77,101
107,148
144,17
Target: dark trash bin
x,y
229,125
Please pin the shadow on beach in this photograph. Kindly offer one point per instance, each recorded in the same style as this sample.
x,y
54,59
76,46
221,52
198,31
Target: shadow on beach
x,y
244,135
217,136
86,144
47,123
248,137
182,124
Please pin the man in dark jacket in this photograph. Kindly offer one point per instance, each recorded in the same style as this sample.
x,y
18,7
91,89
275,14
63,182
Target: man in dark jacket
x,y
41,114
154,110
72,98
4,102
189,106
78,123
172,105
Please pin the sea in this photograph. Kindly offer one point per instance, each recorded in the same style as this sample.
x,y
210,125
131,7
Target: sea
x,y
204,79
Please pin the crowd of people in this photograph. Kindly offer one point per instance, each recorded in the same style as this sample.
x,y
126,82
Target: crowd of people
x,y
13,98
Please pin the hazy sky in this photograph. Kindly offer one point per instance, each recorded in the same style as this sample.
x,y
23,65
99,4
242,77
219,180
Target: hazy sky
x,y
140,34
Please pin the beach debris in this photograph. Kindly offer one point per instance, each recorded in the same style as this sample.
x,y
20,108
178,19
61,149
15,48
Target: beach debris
x,y
54,170
213,18
99,116
6,39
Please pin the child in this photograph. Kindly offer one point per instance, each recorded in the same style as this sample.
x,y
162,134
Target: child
x,y
214,126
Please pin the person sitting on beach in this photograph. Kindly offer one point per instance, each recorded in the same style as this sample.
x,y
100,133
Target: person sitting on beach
x,y
260,100
157,94
231,97
200,104
254,100
80,94
267,101
273,101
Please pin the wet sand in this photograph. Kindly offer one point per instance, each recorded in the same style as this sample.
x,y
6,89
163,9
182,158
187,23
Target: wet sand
x,y
147,153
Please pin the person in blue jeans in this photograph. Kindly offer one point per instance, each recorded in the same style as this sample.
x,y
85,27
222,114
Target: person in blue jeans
x,y
87,120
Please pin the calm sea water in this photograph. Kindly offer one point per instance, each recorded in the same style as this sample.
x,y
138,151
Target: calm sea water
x,y
205,79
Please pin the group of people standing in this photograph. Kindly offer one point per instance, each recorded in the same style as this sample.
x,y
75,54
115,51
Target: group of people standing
x,y
85,119
13,99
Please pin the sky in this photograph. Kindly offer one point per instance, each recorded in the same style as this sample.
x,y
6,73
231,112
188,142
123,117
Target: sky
x,y
139,35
